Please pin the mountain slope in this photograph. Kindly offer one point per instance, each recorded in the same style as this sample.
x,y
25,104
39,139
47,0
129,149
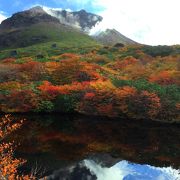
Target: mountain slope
x,y
26,18
35,26
43,33
42,25
112,37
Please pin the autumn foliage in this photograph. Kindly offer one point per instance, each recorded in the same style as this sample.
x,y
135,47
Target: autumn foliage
x,y
128,82
8,163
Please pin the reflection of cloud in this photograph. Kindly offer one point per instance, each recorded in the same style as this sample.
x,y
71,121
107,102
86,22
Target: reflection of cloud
x,y
127,171
103,173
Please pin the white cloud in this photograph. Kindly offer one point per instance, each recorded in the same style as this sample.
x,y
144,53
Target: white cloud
x,y
104,173
2,17
126,170
150,22
56,9
146,21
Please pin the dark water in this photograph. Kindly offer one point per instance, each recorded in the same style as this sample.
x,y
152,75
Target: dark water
x,y
80,147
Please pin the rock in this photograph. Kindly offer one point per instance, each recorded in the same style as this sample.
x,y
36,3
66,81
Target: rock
x,y
79,19
40,56
13,53
119,45
54,45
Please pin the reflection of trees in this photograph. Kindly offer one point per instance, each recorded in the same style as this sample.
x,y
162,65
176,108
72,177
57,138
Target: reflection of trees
x,y
78,137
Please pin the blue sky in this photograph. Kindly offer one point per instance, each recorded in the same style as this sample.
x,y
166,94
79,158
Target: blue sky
x,y
11,6
153,22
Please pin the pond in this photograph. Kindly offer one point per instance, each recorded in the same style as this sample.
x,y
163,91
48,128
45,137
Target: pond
x,y
76,147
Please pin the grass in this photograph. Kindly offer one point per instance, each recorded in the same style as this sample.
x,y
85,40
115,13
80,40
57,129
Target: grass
x,y
39,38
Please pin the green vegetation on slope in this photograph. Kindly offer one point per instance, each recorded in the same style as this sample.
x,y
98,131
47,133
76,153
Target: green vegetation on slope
x,y
44,33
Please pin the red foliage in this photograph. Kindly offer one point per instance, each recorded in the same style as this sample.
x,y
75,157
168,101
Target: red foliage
x,y
125,62
9,60
20,101
162,78
89,95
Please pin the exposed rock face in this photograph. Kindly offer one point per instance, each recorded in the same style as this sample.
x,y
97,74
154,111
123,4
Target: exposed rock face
x,y
80,19
113,37
26,18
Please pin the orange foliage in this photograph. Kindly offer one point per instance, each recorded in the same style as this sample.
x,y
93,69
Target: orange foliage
x,y
67,56
163,78
70,56
125,91
51,66
152,102
9,164
95,58
137,104
9,60
102,84
68,72
11,85
89,95
19,101
98,102
125,62
50,91
123,95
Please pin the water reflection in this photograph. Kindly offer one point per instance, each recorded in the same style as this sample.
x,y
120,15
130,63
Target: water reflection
x,y
59,142
124,170
90,170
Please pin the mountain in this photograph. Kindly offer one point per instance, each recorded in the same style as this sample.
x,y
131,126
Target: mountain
x,y
79,19
27,18
36,26
113,37
42,25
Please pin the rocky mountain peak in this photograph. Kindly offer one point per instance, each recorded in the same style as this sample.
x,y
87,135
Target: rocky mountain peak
x,y
77,20
36,10
112,37
82,20
27,18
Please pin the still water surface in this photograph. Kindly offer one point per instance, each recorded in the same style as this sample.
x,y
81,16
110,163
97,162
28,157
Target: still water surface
x,y
87,148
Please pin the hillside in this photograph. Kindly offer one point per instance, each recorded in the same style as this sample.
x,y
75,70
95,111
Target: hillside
x,y
35,26
43,33
132,82
41,25
50,66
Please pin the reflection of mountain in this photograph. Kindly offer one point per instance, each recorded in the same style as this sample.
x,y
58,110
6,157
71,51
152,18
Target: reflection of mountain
x,y
60,142
123,170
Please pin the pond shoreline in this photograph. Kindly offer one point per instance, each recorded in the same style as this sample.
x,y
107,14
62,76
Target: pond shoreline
x,y
174,122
